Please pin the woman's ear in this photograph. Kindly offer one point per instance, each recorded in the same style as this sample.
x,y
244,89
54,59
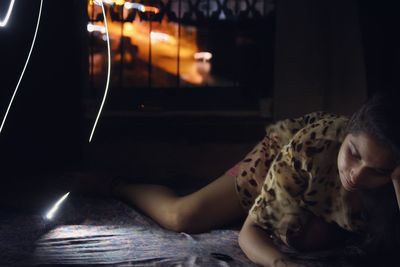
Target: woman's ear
x,y
396,183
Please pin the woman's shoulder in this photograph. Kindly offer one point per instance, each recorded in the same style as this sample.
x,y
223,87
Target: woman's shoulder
x,y
319,122
315,116
325,130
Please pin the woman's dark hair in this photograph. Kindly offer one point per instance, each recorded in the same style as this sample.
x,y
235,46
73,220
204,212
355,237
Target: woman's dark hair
x,y
380,117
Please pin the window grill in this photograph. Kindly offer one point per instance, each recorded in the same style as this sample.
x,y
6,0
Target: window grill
x,y
181,54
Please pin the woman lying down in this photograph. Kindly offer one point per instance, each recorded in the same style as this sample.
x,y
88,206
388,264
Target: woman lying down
x,y
313,182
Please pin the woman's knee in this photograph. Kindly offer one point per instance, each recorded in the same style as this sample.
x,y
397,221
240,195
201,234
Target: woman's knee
x,y
181,218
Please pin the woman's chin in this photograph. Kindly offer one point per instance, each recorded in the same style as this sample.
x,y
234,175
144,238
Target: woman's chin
x,y
346,185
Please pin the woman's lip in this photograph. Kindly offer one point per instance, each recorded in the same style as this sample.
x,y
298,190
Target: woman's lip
x,y
349,184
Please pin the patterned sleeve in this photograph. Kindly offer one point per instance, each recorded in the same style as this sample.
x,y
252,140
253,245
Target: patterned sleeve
x,y
282,131
278,207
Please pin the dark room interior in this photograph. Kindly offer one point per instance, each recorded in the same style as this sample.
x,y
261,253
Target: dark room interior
x,y
193,85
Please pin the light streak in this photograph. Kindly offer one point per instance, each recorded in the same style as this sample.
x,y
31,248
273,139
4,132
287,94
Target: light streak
x,y
160,37
100,2
53,210
4,22
141,7
95,28
108,72
129,5
23,70
204,56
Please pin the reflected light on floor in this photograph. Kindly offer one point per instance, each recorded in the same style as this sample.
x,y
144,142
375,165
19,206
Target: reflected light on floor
x,y
91,244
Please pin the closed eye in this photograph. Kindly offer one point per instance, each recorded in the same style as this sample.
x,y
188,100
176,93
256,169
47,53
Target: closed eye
x,y
353,152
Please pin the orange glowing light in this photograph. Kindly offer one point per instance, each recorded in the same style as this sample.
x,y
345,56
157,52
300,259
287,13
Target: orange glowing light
x,y
151,9
164,43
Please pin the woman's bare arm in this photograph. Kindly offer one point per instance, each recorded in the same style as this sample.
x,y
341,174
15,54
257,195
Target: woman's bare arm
x,y
259,247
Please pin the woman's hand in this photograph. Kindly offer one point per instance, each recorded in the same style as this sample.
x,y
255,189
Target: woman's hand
x,y
260,249
396,183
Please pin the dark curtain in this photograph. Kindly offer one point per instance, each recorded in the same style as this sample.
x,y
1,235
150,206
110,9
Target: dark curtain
x,y
380,23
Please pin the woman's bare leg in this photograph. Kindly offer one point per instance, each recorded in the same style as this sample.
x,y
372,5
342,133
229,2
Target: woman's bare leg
x,y
214,205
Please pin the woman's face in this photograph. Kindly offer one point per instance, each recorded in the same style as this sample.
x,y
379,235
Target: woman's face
x,y
364,163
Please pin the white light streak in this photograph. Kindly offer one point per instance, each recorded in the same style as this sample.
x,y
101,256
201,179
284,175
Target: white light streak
x,y
141,7
4,22
100,2
53,210
108,73
23,70
95,28
129,5
160,37
204,56
137,6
